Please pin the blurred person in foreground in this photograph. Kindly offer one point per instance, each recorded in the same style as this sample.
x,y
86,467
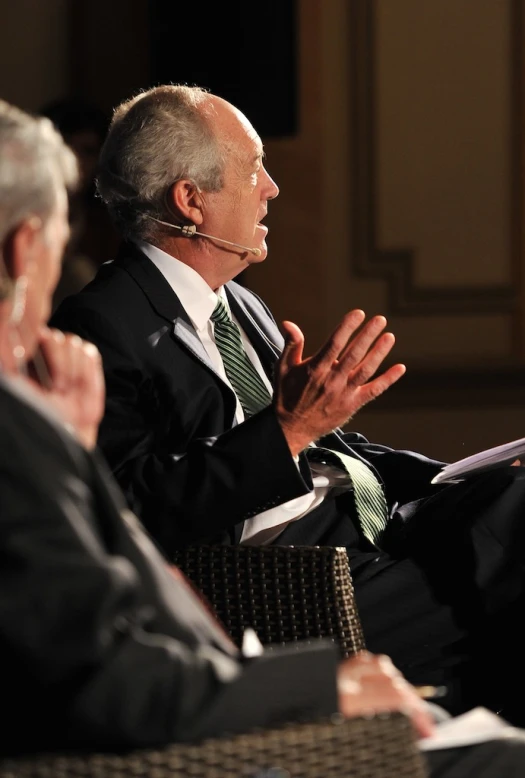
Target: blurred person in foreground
x,y
102,645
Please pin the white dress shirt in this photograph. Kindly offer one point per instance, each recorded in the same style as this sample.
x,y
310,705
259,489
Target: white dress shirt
x,y
199,301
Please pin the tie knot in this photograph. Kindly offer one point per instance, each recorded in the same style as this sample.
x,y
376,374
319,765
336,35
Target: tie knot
x,y
220,313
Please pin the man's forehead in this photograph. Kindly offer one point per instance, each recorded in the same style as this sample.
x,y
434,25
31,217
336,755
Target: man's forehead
x,y
247,144
257,142
234,125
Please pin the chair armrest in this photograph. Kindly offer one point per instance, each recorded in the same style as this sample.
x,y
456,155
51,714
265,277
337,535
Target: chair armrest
x,y
339,749
286,593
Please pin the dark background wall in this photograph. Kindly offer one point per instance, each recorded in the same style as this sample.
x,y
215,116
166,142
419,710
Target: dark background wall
x,y
244,52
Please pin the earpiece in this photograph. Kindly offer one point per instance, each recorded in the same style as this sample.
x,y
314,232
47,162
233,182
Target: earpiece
x,y
19,300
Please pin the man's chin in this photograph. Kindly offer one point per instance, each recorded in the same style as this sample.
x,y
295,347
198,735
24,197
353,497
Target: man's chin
x,y
263,248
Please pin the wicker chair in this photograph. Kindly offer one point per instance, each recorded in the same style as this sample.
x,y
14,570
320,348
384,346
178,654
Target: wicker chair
x,y
286,593
339,749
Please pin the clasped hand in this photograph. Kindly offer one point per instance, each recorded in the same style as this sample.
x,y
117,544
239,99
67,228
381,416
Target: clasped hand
x,y
67,373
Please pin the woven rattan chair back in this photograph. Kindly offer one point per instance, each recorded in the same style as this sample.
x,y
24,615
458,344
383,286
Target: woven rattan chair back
x,y
382,747
286,593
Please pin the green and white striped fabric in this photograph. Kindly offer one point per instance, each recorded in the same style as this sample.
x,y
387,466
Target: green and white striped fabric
x,y
369,497
246,381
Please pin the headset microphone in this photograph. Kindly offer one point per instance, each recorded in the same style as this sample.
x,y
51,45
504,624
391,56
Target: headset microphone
x,y
189,230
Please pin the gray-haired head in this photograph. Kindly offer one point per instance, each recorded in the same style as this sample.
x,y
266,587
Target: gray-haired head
x,y
34,163
155,139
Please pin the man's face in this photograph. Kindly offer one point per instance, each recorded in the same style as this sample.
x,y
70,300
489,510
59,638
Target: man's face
x,y
235,213
44,270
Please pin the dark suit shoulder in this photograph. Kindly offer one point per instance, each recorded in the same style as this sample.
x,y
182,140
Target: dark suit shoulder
x,y
129,292
110,288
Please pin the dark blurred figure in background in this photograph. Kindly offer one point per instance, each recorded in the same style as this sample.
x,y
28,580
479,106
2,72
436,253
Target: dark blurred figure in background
x,y
93,238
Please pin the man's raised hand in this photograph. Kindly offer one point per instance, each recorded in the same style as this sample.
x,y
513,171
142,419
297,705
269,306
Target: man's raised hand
x,y
317,394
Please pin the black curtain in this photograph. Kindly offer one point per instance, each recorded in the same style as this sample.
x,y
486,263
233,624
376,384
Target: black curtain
x,y
243,51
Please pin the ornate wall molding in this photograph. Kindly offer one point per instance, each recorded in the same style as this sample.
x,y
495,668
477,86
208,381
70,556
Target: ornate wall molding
x,y
397,266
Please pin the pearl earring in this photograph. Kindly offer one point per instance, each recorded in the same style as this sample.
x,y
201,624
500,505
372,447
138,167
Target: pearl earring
x,y
19,300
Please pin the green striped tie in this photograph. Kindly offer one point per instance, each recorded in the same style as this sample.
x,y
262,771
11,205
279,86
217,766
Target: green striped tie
x,y
369,497
244,378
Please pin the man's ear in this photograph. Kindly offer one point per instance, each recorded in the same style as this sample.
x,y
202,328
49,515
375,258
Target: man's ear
x,y
24,246
184,201
19,250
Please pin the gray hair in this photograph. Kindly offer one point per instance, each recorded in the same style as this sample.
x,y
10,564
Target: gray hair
x,y
34,162
155,139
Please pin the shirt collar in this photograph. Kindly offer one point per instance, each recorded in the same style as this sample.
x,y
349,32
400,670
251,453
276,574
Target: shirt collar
x,y
197,298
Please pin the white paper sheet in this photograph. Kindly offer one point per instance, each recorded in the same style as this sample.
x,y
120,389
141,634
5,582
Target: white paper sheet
x,y
484,460
476,726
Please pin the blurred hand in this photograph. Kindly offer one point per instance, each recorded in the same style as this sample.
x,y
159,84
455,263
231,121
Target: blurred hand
x,y
371,684
317,394
67,373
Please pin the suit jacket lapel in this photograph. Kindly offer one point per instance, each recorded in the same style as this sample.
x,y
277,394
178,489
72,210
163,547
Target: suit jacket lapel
x,y
164,300
184,332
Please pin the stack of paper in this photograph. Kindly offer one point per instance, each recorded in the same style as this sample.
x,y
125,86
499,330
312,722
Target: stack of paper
x,y
476,726
478,463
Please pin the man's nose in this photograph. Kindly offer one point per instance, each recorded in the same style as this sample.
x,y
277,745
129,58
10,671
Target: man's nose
x,y
271,190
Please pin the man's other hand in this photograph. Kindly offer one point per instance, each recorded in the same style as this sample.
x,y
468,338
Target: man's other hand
x,y
369,684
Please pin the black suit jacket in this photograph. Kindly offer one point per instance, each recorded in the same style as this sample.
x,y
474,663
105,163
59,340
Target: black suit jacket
x,y
100,645
169,432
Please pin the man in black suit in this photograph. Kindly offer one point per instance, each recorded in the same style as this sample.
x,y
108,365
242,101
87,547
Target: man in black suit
x,y
200,458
